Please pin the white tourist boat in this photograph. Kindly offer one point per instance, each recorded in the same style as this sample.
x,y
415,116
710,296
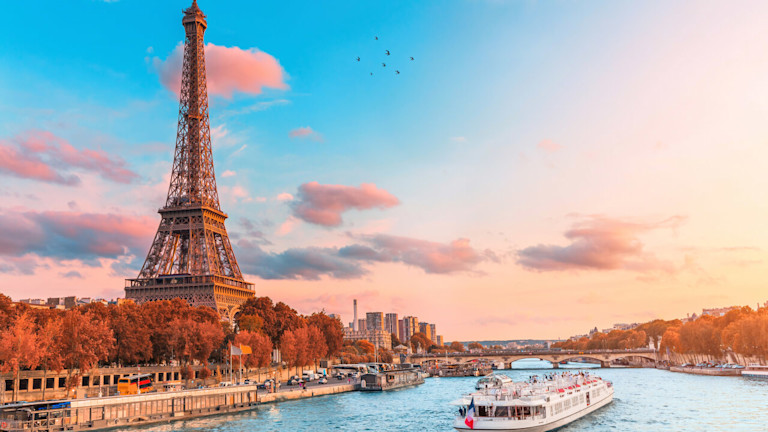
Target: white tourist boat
x,y
538,405
755,371
493,380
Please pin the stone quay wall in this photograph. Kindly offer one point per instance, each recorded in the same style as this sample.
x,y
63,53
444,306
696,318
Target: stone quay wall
x,y
39,385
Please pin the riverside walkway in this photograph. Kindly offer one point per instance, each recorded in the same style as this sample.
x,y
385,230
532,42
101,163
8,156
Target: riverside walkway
x,y
150,408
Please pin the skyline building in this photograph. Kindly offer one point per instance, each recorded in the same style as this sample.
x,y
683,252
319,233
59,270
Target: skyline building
x,y
410,327
191,256
390,323
374,321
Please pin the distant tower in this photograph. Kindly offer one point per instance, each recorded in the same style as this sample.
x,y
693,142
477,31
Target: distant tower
x,y
191,257
354,321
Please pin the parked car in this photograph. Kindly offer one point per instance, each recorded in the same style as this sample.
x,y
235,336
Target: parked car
x,y
294,381
339,376
323,380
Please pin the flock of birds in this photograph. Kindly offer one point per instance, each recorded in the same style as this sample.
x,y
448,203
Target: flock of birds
x,y
383,64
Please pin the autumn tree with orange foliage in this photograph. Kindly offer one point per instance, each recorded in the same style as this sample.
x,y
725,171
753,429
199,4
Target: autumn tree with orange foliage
x,y
84,342
18,348
261,348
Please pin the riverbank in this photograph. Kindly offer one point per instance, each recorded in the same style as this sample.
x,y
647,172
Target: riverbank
x,y
100,413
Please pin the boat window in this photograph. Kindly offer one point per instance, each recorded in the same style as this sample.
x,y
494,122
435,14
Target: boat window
x,y
502,411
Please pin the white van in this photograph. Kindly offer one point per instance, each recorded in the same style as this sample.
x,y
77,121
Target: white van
x,y
309,376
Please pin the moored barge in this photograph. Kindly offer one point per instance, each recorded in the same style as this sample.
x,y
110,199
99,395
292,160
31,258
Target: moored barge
x,y
391,379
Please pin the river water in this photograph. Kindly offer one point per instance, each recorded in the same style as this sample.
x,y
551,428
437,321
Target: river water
x,y
644,400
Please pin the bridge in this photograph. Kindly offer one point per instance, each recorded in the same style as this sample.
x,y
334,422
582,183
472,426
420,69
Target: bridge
x,y
605,357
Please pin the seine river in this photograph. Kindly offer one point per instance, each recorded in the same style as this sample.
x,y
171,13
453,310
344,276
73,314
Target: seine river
x,y
645,400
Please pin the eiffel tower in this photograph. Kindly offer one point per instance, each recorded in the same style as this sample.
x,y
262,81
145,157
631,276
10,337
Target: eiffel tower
x,y
191,256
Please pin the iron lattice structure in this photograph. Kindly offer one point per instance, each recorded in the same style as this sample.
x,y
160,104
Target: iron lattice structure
x,y
191,256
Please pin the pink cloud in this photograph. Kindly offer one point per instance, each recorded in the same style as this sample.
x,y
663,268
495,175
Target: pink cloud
x,y
228,70
351,262
600,243
41,155
74,235
306,132
324,204
549,146
284,196
432,257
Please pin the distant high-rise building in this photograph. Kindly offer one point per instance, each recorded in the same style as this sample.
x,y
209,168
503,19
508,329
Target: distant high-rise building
x,y
390,323
410,327
433,333
401,330
440,340
361,325
354,319
374,321
426,329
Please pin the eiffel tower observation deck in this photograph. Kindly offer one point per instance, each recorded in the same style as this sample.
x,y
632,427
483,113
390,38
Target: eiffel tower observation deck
x,y
191,256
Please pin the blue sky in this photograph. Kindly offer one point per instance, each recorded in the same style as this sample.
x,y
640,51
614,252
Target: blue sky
x,y
529,128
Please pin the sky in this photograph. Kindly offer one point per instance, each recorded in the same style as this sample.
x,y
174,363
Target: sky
x,y
538,169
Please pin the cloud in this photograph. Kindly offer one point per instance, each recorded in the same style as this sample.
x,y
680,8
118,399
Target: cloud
x,y
324,204
600,243
25,264
253,232
228,173
41,155
459,139
229,70
73,235
432,257
298,263
306,132
72,274
349,262
549,146
284,196
287,226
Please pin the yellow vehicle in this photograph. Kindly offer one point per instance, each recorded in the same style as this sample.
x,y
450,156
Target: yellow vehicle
x,y
135,384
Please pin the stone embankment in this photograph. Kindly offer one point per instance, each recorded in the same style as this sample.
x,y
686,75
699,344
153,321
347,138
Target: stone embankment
x,y
150,408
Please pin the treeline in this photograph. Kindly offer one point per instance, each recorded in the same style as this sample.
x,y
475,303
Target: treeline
x,y
742,331
639,337
84,337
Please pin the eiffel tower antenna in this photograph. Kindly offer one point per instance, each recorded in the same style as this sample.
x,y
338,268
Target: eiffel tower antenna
x,y
191,256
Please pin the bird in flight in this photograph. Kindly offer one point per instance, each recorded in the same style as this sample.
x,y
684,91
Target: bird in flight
x,y
397,72
383,65
411,58
371,73
358,59
376,37
387,52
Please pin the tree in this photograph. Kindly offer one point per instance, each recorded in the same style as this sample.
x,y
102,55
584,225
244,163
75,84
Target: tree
x,y
261,348
475,346
18,348
85,341
420,341
250,323
457,347
50,349
332,331
277,318
395,341
293,348
132,336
